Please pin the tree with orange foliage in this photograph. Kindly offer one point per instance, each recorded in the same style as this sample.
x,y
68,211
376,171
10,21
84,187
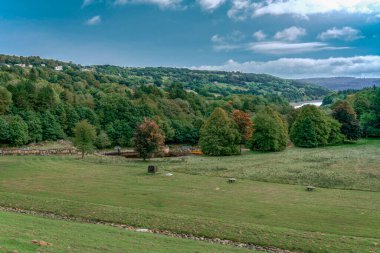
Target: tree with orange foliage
x,y
244,125
148,138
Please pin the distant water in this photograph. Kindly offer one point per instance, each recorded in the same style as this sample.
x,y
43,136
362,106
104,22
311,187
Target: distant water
x,y
314,102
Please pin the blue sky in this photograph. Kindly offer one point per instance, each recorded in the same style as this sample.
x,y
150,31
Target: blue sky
x,y
287,38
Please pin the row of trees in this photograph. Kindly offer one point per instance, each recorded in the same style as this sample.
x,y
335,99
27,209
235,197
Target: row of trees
x,y
222,132
309,127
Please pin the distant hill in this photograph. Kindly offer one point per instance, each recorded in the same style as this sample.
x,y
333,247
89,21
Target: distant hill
x,y
206,83
219,83
343,83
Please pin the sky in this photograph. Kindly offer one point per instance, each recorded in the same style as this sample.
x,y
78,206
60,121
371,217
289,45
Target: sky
x,y
286,38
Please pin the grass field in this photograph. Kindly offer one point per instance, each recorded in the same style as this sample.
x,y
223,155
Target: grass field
x,y
352,166
198,200
17,232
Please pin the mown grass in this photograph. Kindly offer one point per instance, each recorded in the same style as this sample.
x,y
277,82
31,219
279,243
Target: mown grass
x,y
351,166
117,190
17,232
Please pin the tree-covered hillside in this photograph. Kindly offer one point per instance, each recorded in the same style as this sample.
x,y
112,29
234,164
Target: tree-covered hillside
x,y
44,99
218,83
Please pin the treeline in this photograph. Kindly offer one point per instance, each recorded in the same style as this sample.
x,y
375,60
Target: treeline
x,y
270,131
365,103
39,103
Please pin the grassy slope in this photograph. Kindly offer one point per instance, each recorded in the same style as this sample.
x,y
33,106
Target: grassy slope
x,y
17,232
354,166
265,213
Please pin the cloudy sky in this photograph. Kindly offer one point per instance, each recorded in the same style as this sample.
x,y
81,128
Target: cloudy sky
x,y
287,38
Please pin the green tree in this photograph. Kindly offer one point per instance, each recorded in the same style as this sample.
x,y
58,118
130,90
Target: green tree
x,y
270,131
51,129
148,138
219,135
33,121
4,131
313,128
335,134
345,114
102,140
47,98
5,100
85,135
18,131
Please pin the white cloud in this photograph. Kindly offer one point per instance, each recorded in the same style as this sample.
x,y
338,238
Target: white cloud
x,y
225,47
228,42
240,10
346,33
161,3
259,35
290,34
275,47
217,38
310,7
94,20
210,5
359,66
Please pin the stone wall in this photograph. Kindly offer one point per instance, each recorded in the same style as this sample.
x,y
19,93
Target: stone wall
x,y
15,151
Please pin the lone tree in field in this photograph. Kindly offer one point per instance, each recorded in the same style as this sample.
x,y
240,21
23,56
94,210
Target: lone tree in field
x,y
345,114
85,135
270,131
148,138
313,128
244,126
219,135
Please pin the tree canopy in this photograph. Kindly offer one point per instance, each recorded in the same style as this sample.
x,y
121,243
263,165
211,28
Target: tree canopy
x,y
270,131
219,136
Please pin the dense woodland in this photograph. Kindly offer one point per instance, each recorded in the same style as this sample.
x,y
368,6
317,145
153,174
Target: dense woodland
x,y
39,103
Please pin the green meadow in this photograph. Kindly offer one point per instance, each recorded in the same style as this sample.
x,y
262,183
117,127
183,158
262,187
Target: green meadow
x,y
268,205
